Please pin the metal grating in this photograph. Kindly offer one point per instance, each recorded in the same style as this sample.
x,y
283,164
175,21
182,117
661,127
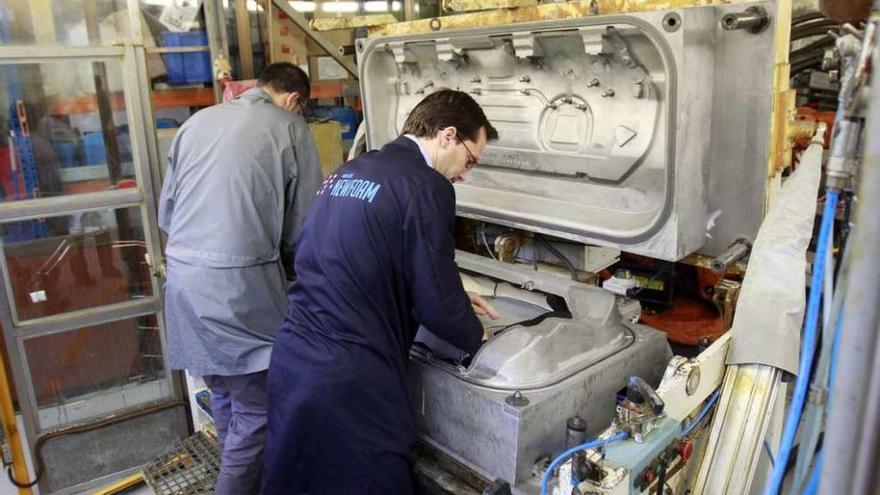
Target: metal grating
x,y
190,468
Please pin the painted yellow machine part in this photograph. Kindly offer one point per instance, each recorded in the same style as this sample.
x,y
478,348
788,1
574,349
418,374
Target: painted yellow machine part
x,y
10,430
121,485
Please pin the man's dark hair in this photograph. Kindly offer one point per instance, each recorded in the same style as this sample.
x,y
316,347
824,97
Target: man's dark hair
x,y
284,77
445,108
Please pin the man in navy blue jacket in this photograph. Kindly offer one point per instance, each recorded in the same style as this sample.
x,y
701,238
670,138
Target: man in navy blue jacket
x,y
375,260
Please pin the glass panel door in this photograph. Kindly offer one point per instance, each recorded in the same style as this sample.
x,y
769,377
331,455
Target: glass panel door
x,y
80,305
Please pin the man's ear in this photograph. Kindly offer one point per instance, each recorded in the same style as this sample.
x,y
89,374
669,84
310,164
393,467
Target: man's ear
x,y
291,100
448,134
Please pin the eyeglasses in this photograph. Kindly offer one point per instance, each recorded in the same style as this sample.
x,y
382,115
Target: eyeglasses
x,y
472,160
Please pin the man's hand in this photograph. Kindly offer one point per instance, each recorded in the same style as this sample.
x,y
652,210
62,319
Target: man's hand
x,y
482,308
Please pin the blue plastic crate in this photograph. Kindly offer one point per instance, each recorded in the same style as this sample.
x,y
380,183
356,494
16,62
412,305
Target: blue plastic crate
x,y
187,68
65,150
166,124
93,143
347,117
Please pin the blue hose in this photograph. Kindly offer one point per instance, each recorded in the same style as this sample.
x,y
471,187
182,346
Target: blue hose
x,y
568,453
808,349
687,431
813,485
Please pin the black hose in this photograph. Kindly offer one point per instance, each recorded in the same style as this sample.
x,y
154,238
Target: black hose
x,y
820,44
565,261
810,63
806,17
814,23
530,322
813,30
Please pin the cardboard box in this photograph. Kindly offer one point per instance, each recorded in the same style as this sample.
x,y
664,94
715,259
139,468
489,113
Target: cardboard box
x,y
328,140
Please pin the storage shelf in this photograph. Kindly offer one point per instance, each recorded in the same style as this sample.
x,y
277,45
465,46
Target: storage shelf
x,y
175,98
163,98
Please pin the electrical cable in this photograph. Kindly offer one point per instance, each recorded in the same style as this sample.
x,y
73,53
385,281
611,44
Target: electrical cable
x,y
593,444
647,285
565,261
807,349
486,244
769,453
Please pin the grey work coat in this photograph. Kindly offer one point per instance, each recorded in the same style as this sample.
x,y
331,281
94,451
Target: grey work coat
x,y
239,181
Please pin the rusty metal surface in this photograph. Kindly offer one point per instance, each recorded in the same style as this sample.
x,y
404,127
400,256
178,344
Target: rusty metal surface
x,y
337,23
702,261
542,12
783,100
475,5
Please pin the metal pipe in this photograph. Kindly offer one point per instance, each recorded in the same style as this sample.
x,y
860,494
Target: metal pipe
x,y
847,420
19,470
735,252
866,477
753,19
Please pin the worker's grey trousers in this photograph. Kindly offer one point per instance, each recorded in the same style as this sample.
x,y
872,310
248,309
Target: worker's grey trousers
x,y
239,405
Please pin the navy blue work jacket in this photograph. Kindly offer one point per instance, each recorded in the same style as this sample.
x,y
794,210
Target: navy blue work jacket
x,y
375,259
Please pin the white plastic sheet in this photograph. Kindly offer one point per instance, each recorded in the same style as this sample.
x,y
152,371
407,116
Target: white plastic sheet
x,y
770,312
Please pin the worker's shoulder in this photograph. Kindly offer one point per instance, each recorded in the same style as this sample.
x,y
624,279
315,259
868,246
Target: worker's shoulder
x,y
400,168
397,160
265,116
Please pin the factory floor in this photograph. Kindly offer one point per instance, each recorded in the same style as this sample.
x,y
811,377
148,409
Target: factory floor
x,y
7,488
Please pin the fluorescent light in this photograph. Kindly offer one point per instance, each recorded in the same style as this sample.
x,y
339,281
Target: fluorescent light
x,y
302,6
339,7
395,6
376,6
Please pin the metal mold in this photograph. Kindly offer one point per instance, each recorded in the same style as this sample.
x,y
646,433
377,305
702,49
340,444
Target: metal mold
x,y
632,131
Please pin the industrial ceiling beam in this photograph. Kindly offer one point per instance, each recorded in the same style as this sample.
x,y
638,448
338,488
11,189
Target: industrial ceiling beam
x,y
328,46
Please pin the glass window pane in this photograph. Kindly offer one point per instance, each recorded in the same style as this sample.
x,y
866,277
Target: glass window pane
x,y
65,263
64,22
93,371
64,129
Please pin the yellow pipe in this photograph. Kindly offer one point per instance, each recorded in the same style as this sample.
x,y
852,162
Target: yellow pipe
x,y
10,430
123,484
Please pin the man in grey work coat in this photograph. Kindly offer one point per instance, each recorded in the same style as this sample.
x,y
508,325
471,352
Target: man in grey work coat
x,y
239,181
